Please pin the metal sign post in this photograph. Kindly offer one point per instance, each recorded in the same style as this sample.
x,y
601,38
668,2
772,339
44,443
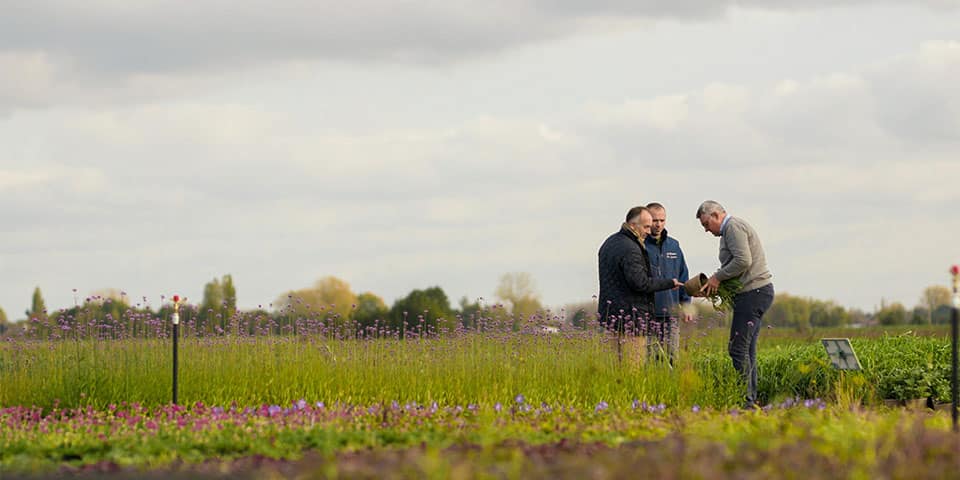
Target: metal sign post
x,y
955,271
176,336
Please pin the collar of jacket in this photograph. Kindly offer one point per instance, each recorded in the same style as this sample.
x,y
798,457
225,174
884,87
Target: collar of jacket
x,y
627,230
658,241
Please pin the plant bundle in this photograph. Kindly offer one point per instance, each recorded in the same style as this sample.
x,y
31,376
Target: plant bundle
x,y
722,300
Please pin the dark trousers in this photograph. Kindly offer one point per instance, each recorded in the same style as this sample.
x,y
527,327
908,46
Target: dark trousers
x,y
748,310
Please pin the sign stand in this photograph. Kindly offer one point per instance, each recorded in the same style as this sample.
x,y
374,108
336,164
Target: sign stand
x,y
841,353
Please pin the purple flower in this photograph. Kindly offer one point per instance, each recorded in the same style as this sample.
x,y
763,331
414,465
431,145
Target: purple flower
x,y
520,399
319,405
601,406
274,410
300,404
497,407
696,409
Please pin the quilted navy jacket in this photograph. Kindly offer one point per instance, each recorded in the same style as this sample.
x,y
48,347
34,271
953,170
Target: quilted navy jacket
x,y
626,284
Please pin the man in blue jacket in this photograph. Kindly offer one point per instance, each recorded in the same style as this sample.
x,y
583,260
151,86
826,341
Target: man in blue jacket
x,y
666,261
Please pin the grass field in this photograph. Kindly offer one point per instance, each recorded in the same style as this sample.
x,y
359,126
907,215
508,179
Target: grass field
x,y
512,403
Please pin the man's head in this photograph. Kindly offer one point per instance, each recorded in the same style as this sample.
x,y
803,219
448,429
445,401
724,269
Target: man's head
x,y
640,220
659,215
711,215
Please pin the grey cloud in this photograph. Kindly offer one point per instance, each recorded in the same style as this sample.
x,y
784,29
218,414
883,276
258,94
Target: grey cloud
x,y
186,188
172,36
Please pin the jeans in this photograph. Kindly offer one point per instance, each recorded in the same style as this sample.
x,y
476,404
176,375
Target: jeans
x,y
748,310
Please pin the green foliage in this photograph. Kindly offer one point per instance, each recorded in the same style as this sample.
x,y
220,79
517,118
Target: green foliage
x,y
370,309
804,313
454,441
942,315
518,291
229,296
422,310
219,303
38,308
469,312
330,297
722,300
893,314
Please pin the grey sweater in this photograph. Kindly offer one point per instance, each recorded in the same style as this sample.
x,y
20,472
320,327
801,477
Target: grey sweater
x,y
741,256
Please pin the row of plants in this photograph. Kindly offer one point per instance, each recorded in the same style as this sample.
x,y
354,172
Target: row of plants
x,y
579,368
134,436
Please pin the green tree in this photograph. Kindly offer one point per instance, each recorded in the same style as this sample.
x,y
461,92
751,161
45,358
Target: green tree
x,y
893,314
38,308
581,315
370,309
330,297
229,296
518,290
422,310
4,323
827,314
932,298
211,307
920,316
107,305
219,303
941,316
469,312
789,311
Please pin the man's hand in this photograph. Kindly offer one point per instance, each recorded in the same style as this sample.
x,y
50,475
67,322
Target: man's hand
x,y
687,317
711,287
677,284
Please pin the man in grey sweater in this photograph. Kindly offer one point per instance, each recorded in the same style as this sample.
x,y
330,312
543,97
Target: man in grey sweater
x,y
742,258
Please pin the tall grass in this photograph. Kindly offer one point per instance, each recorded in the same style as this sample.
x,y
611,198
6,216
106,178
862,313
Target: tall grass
x,y
484,365
575,369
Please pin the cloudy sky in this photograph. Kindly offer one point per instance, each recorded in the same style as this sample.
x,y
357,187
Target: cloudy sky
x,y
151,146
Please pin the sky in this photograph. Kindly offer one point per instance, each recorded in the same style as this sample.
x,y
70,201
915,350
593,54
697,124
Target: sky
x,y
151,146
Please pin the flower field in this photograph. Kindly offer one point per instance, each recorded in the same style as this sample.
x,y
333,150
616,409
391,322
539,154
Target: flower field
x,y
492,401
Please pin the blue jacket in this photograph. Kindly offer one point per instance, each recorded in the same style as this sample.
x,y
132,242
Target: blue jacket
x,y
666,261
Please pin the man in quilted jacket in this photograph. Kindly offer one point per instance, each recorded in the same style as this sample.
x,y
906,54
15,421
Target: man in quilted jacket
x,y
626,302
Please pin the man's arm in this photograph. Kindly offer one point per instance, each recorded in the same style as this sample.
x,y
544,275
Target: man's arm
x,y
683,277
638,278
739,246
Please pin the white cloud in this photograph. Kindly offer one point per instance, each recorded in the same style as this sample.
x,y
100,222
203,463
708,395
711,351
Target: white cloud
x,y
836,170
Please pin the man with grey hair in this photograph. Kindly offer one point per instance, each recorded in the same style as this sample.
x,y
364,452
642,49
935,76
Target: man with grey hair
x,y
742,258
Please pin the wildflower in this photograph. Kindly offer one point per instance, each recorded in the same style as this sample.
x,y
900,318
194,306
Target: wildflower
x,y
520,399
497,407
696,409
601,406
319,405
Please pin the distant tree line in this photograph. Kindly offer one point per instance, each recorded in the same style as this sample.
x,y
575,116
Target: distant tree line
x,y
331,300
